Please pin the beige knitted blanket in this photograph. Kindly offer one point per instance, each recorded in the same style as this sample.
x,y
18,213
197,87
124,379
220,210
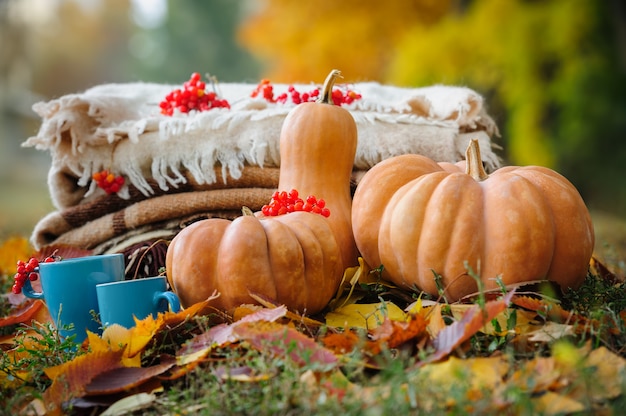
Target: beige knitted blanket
x,y
175,166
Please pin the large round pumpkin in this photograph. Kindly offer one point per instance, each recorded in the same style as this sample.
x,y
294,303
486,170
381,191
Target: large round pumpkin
x,y
296,259
418,218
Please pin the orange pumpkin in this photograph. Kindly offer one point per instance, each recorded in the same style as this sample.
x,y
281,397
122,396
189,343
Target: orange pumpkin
x,y
296,259
417,218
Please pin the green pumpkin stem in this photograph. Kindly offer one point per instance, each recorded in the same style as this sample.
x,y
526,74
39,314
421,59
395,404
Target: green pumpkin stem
x,y
327,90
474,163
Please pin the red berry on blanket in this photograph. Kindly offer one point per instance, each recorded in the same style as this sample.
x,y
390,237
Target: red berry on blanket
x,y
108,181
192,97
266,91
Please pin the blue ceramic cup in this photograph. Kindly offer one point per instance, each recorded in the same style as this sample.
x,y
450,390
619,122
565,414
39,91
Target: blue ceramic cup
x,y
121,302
69,290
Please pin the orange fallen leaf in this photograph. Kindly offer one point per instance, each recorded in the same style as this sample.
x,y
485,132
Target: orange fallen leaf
x,y
23,313
389,334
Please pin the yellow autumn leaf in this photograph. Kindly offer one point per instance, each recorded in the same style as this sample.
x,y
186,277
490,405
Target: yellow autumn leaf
x,y
114,338
608,370
368,315
551,403
481,372
12,250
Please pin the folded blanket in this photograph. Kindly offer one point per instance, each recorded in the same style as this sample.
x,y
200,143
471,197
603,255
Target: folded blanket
x,y
187,167
119,127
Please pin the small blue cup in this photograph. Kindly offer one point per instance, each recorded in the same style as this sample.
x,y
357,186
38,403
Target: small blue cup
x,y
119,302
69,290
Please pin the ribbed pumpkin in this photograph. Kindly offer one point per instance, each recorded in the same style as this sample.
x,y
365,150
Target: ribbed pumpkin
x,y
417,218
296,259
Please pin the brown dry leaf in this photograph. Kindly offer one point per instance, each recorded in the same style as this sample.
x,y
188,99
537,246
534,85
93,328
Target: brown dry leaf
x,y
364,315
123,379
69,380
472,322
282,340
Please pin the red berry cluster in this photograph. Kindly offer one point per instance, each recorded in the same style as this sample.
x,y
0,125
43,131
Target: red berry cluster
x,y
28,270
285,202
265,89
108,181
193,96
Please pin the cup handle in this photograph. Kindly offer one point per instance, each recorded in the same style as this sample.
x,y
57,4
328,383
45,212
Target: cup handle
x,y
28,291
171,299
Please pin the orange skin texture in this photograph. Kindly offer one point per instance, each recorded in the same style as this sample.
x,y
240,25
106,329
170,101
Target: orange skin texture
x,y
296,259
520,223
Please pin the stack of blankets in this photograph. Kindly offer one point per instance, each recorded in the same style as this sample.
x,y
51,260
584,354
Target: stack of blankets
x,y
190,166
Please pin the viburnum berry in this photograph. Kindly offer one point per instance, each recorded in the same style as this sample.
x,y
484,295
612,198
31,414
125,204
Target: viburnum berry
x,y
266,91
193,96
108,181
28,270
283,202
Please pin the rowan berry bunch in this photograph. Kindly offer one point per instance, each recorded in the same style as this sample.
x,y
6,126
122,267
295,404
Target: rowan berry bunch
x,y
265,90
28,270
109,182
284,202
192,97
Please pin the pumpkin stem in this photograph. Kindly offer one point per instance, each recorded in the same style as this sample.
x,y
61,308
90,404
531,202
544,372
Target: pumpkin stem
x,y
474,163
246,211
327,90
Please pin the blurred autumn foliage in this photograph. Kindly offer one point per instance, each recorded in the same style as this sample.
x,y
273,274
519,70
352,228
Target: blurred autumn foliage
x,y
553,72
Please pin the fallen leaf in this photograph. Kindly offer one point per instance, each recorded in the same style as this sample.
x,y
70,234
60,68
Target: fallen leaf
x,y
550,331
390,334
130,404
480,374
242,373
364,315
281,341
550,403
24,313
460,331
435,320
69,380
12,250
123,379
219,335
